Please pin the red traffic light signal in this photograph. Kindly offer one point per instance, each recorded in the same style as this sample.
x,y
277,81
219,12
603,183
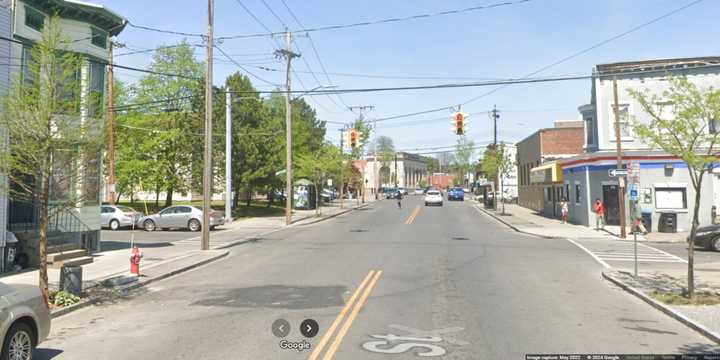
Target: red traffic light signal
x,y
459,123
353,138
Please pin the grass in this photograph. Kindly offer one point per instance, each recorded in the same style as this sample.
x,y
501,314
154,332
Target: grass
x,y
256,208
680,299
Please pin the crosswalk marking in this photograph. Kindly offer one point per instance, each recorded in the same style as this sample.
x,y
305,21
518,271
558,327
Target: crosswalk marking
x,y
615,250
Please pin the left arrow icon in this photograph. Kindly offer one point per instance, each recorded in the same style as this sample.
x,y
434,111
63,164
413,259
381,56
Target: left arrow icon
x,y
280,328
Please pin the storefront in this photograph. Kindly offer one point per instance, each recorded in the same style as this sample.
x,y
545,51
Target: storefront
x,y
546,189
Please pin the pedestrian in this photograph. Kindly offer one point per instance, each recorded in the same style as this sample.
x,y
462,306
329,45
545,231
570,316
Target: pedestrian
x,y
399,199
638,223
564,210
599,209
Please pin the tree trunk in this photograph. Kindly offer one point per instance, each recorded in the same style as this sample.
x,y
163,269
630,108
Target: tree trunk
x,y
157,196
691,243
42,245
501,195
249,198
237,195
169,196
132,197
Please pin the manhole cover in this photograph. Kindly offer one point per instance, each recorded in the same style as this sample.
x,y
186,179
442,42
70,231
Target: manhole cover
x,y
459,238
358,230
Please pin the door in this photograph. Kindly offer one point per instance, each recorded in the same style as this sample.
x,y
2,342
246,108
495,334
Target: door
x,y
182,217
612,208
166,218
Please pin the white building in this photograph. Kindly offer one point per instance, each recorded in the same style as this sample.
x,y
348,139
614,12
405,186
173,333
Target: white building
x,y
409,169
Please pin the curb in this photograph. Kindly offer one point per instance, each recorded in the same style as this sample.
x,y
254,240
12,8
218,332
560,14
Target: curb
x,y
513,226
664,308
296,223
135,285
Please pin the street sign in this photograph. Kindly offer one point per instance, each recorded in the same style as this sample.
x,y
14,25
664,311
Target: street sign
x,y
617,172
633,194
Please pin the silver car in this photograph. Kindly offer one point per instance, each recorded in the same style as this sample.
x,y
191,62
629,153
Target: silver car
x,y
180,216
24,320
115,216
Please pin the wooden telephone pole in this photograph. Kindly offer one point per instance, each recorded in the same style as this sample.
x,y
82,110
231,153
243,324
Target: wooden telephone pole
x,y
621,180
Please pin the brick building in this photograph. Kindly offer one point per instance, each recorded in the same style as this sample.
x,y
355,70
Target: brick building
x,y
541,193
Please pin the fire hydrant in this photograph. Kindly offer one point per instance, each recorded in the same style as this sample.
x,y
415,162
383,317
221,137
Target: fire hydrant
x,y
135,261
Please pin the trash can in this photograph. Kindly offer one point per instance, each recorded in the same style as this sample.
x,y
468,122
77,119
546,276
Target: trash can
x,y
647,221
71,279
667,223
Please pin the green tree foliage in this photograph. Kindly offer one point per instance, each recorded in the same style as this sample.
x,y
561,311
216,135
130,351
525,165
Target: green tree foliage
x,y
161,144
53,156
318,166
689,132
497,164
464,152
364,128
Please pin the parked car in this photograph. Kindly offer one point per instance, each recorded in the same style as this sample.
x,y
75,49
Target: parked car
x,y
708,237
25,320
419,191
456,193
391,194
328,194
402,190
466,190
433,197
116,216
182,217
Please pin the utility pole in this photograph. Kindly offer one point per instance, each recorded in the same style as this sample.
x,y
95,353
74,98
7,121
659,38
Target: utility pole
x,y
396,173
342,170
207,156
495,115
228,156
621,182
376,175
288,55
111,126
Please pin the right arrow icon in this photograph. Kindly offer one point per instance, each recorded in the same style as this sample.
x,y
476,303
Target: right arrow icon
x,y
309,328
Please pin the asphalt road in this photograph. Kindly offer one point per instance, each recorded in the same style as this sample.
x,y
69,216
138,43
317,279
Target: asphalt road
x,y
450,281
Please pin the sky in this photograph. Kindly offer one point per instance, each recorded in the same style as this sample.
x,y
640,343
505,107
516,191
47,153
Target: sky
x,y
499,43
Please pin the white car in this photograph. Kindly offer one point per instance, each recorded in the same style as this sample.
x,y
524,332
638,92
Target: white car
x,y
433,197
419,191
115,217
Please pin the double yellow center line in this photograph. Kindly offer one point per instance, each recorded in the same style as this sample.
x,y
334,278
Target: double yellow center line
x,y
413,215
365,288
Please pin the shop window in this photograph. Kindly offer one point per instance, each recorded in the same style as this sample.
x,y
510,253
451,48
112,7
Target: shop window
x,y
671,198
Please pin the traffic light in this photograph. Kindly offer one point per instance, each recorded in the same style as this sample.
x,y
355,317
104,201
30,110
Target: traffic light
x,y
459,123
354,138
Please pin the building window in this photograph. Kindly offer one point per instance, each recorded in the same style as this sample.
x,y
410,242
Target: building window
x,y
99,37
577,194
567,192
714,126
34,19
625,124
96,88
548,194
670,198
589,131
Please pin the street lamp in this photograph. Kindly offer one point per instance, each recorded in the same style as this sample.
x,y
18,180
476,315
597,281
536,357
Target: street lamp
x,y
288,146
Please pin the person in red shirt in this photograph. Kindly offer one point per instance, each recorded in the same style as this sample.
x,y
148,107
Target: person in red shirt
x,y
599,209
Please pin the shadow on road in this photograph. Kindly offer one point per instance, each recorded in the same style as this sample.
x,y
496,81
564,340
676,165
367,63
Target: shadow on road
x,y
698,348
277,296
46,354
118,245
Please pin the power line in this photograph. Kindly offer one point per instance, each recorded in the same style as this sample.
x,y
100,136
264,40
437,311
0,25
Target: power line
x,y
274,14
172,32
583,51
242,67
383,21
594,46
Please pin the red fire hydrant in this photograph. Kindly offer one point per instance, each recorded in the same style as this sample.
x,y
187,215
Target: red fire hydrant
x,y
135,261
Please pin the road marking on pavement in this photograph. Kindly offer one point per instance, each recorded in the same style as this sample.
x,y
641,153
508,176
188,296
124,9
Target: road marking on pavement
x,y
413,215
614,250
328,334
346,326
599,260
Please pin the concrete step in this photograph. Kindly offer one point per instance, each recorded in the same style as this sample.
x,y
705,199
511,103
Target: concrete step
x,y
62,248
72,262
65,255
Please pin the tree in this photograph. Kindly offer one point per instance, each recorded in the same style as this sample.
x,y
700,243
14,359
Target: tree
x,y
385,150
364,127
53,156
174,130
319,166
464,151
690,133
497,163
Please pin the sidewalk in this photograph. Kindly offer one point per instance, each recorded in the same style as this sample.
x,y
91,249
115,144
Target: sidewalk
x,y
169,258
659,272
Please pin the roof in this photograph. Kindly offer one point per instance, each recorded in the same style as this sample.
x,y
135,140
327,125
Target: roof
x,y
95,14
658,65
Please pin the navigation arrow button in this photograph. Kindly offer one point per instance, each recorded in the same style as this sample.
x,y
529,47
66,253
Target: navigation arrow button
x,y
309,328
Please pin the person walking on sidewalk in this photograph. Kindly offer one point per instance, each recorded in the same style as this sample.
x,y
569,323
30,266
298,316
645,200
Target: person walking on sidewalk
x,y
399,199
599,209
564,210
638,223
